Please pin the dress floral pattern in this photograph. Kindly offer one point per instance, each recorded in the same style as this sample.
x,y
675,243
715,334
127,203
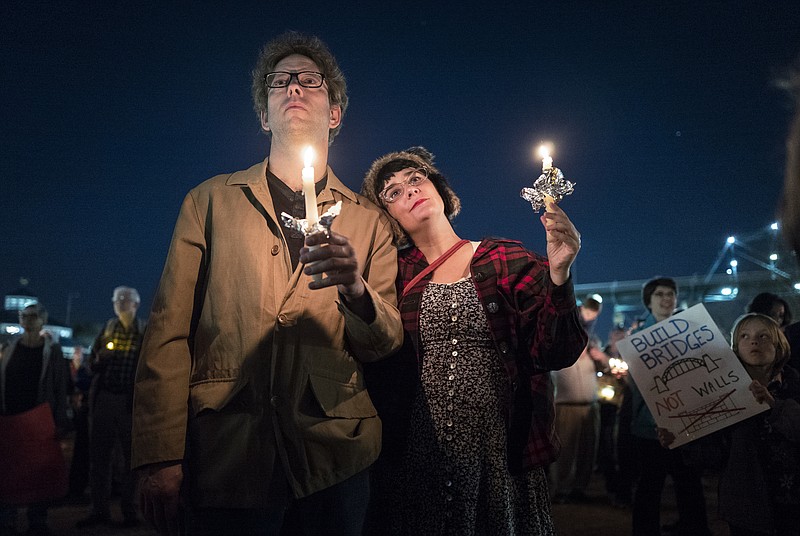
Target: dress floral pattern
x,y
456,476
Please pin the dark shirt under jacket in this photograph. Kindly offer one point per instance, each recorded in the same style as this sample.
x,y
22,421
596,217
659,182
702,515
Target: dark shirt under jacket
x,y
284,199
22,378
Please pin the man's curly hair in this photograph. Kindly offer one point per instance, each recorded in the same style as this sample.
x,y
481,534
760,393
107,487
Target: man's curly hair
x,y
314,49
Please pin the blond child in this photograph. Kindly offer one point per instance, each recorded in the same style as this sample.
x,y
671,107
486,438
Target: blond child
x,y
759,484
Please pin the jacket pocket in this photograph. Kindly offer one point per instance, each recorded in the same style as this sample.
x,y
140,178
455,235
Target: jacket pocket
x,y
231,459
341,399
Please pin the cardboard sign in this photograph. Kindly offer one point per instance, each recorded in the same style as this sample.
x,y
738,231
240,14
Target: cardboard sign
x,y
689,377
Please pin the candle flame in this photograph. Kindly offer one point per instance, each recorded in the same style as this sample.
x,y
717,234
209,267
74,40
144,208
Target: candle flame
x,y
607,392
544,150
308,156
110,345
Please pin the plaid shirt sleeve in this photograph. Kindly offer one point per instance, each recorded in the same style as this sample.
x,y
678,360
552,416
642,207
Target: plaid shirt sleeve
x,y
536,328
539,320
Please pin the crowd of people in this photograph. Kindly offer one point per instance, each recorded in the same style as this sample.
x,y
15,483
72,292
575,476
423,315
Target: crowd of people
x,y
46,399
382,375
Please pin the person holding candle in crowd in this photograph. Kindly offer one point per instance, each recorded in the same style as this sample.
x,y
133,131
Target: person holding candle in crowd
x,y
249,393
660,296
486,322
115,353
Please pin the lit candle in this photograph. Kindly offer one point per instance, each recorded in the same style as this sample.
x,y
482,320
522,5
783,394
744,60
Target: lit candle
x,y
309,192
547,160
547,165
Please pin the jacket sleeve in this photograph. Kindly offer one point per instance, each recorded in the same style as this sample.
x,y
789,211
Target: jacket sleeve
x,y
564,337
60,371
548,317
161,391
384,335
785,418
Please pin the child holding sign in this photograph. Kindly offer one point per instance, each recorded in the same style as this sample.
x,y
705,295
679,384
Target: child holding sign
x,y
759,487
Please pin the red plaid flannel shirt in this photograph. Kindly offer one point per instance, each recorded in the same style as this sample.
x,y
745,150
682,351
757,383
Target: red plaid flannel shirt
x,y
535,327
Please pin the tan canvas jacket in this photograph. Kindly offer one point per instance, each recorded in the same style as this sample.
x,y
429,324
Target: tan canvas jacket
x,y
242,363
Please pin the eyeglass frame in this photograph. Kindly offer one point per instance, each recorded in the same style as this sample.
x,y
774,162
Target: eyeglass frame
x,y
296,76
403,184
665,294
29,315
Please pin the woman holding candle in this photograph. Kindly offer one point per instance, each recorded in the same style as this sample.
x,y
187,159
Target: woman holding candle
x,y
485,322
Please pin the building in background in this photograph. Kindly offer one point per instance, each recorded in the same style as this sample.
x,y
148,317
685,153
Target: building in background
x,y
745,266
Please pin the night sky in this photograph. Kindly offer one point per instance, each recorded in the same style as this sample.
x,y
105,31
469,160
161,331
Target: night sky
x,y
664,114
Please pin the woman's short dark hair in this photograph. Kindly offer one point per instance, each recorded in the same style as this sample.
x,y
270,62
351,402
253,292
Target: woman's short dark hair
x,y
650,287
765,301
389,164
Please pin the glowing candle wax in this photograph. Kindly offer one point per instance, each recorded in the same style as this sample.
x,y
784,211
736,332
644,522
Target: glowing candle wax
x,y
547,160
547,165
309,192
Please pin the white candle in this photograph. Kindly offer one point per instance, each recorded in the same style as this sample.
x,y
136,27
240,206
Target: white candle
x,y
547,160
309,192
547,165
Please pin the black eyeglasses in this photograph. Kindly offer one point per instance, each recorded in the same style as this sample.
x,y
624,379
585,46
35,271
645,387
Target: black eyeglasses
x,y
29,315
309,79
392,193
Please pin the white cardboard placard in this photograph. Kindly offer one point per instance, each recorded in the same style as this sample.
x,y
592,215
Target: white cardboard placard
x,y
689,377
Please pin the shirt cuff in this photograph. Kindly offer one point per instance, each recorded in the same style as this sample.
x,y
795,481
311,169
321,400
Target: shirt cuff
x,y
563,296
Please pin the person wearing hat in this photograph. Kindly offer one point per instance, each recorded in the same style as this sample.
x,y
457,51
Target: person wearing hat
x,y
485,322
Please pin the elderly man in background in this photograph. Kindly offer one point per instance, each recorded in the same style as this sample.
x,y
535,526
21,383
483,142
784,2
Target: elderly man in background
x,y
115,354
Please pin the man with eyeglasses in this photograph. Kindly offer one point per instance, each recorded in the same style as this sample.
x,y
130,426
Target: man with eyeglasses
x,y
250,408
115,353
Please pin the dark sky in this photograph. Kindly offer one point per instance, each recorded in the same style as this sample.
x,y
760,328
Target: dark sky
x,y
664,114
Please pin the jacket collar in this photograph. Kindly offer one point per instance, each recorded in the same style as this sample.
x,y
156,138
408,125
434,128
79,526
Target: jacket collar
x,y
257,175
